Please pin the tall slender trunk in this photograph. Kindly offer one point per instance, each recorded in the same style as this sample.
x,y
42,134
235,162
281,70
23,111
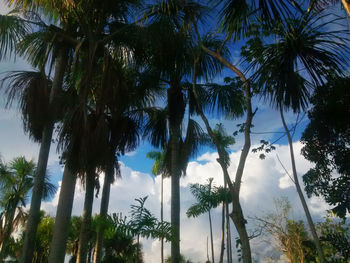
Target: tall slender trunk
x,y
86,223
39,180
237,213
222,250
208,249
103,212
175,195
211,238
161,218
300,193
228,236
63,215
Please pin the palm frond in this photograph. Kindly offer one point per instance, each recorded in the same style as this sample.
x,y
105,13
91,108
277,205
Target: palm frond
x,y
36,48
156,128
49,189
159,167
32,89
238,15
207,67
180,14
225,99
12,30
306,53
189,147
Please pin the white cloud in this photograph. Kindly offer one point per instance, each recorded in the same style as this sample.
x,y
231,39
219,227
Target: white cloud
x,y
261,184
132,153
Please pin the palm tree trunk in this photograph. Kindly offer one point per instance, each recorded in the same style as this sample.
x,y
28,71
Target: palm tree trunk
x,y
34,212
211,238
228,236
86,223
62,220
222,250
175,194
300,193
208,249
161,219
103,212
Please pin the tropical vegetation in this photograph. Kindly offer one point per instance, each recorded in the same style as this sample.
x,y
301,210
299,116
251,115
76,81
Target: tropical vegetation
x,y
109,75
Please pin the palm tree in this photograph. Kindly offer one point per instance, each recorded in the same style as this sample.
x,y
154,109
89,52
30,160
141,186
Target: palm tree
x,y
38,46
159,168
172,56
104,86
156,131
203,193
135,92
306,53
170,52
238,18
234,106
16,182
208,197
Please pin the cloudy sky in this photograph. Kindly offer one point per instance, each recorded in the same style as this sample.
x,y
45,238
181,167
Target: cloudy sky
x,y
263,180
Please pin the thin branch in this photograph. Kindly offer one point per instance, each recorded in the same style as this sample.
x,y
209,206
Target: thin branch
x,y
284,168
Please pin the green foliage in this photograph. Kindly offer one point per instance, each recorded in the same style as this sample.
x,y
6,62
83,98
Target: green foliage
x,y
302,42
32,90
120,234
119,243
143,223
207,196
238,16
16,182
41,244
327,140
265,147
12,29
43,239
291,236
159,166
335,237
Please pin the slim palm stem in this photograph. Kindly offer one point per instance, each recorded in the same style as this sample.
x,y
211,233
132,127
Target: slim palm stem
x,y
39,180
175,194
161,218
228,236
62,219
103,212
300,193
222,250
86,223
211,237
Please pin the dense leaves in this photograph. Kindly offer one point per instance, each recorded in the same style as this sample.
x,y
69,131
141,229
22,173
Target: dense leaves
x,y
327,140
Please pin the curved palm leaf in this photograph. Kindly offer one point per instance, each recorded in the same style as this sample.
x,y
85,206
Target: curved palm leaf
x,y
239,16
189,147
305,53
227,99
156,128
12,30
32,89
159,166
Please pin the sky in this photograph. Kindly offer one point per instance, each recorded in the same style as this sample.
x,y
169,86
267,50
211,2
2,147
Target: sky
x,y
263,180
